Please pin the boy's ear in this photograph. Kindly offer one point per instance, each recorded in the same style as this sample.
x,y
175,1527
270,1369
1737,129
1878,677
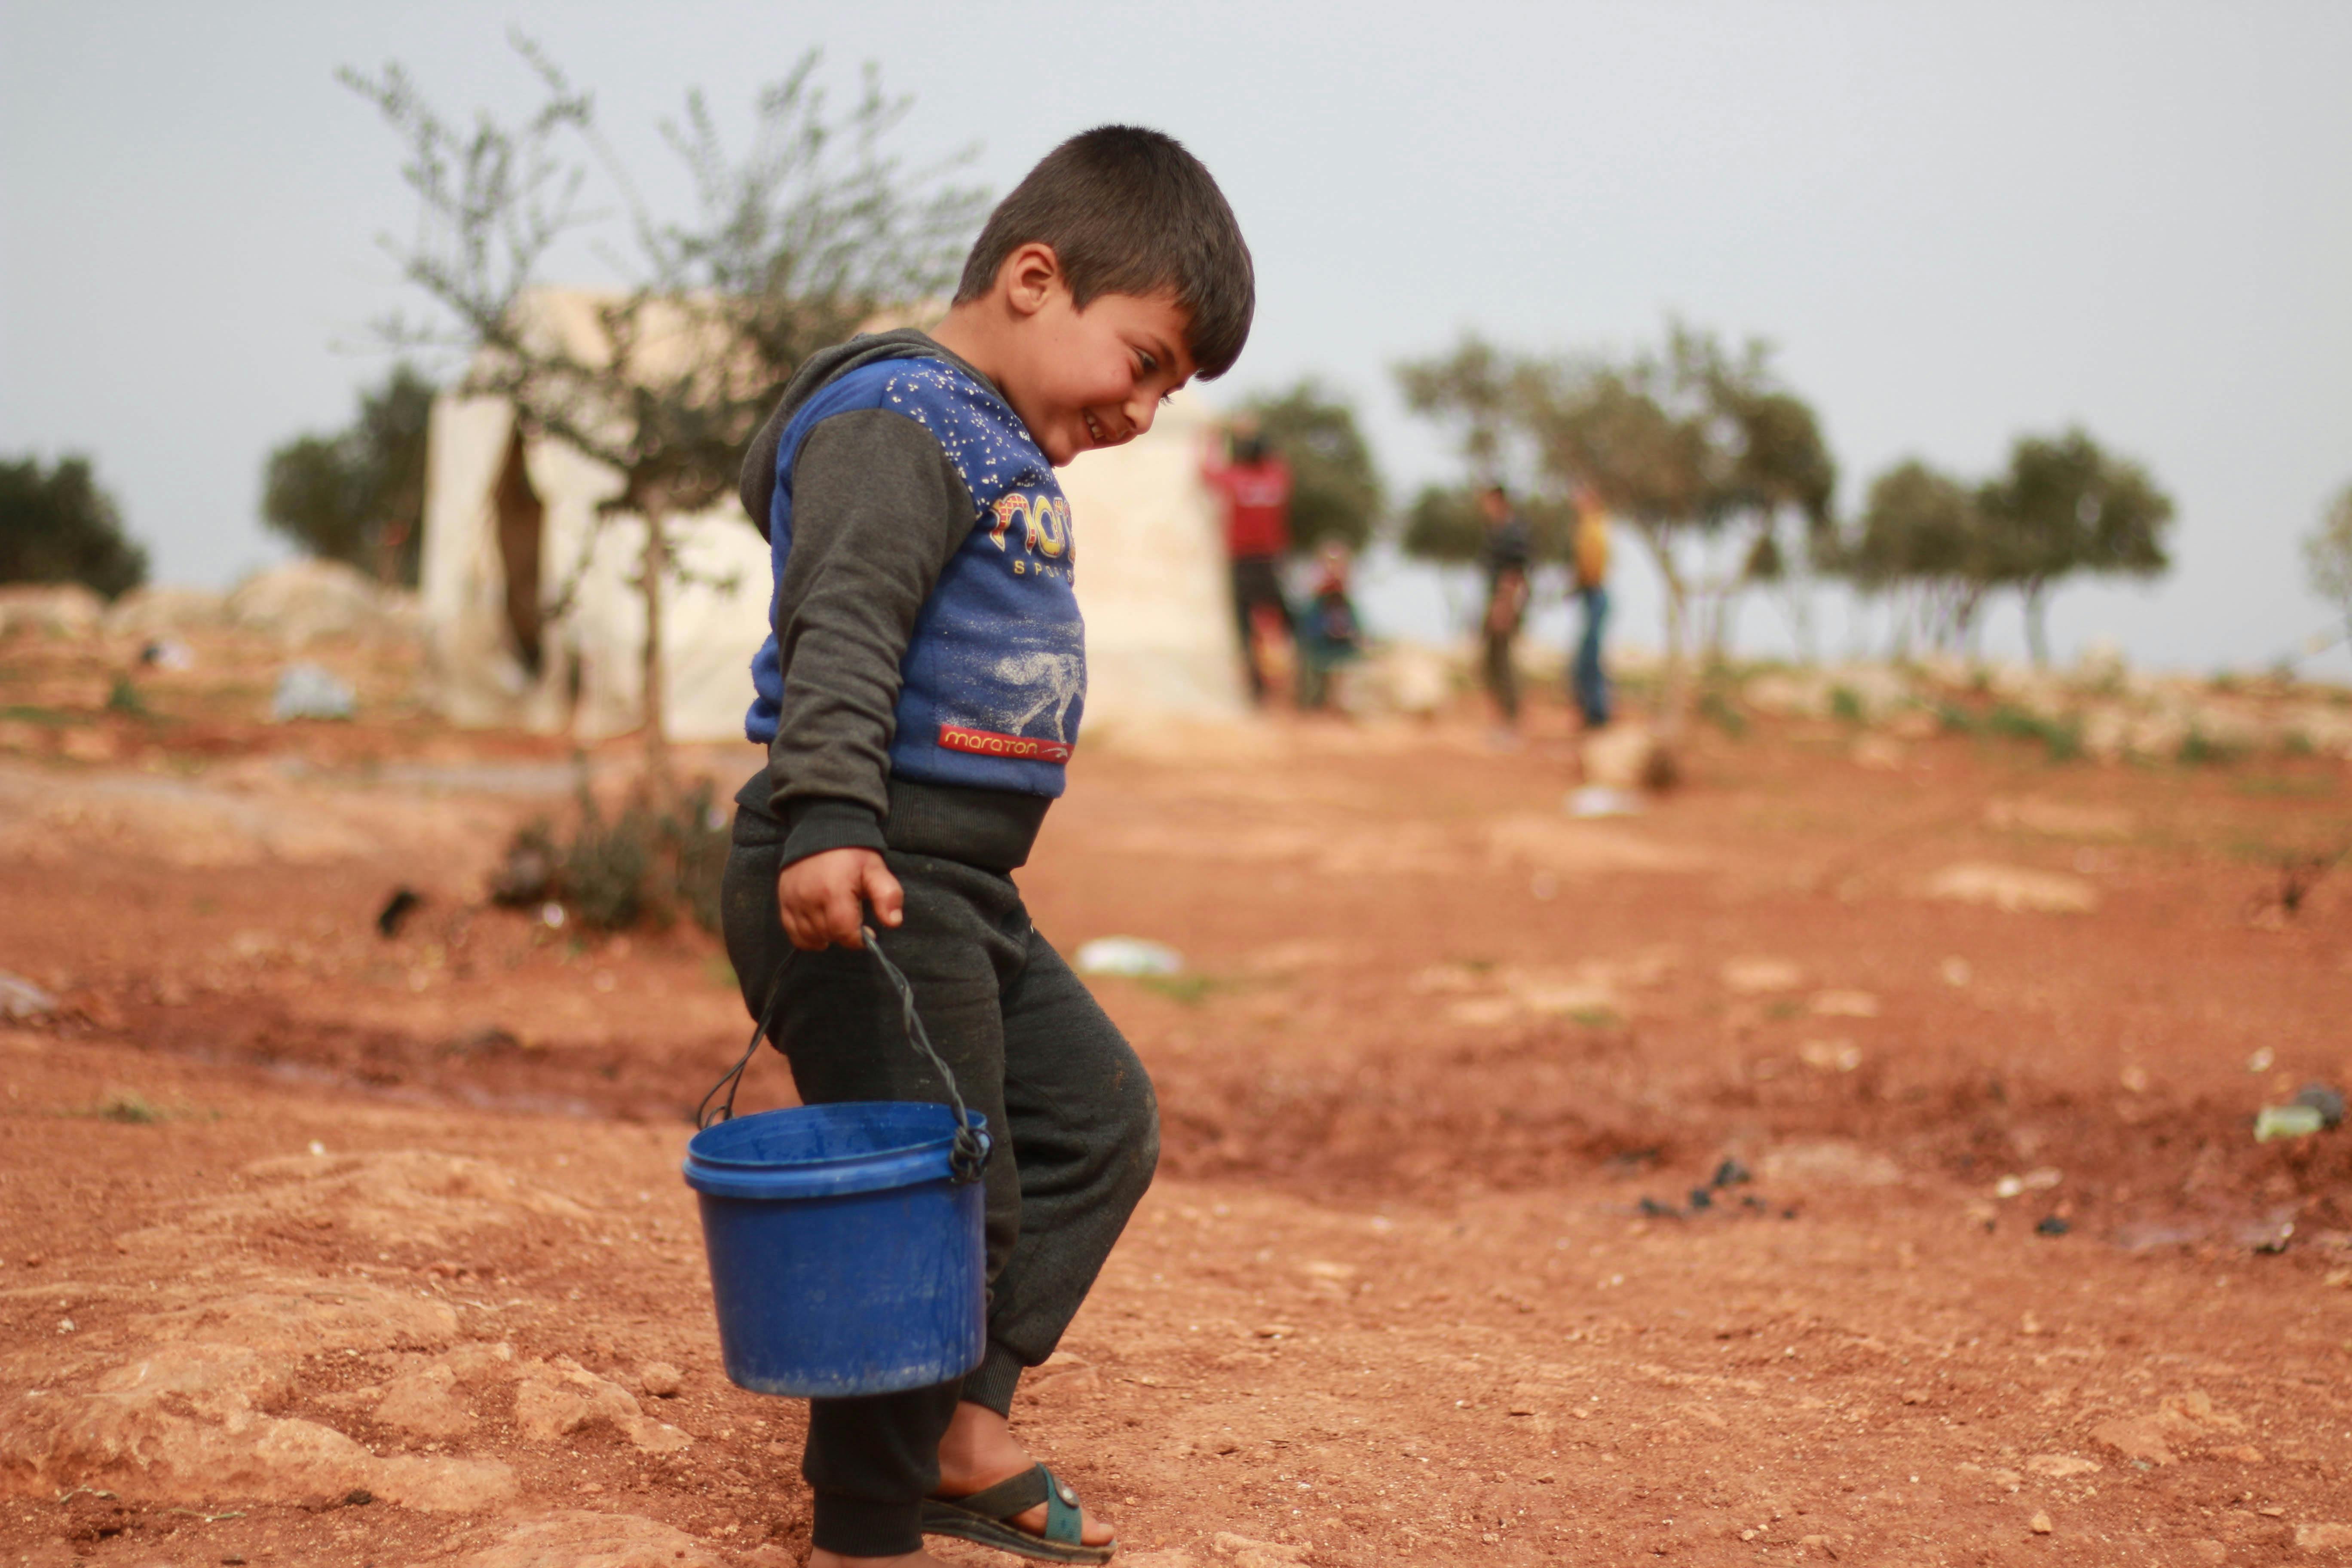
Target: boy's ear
x,y
1029,277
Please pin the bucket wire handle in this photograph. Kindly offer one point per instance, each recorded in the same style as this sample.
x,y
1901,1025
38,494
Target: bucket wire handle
x,y
969,1156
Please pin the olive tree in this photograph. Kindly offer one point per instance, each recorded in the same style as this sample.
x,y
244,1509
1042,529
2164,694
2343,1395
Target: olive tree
x,y
1700,450
2327,557
2065,505
357,495
1335,490
1920,540
58,524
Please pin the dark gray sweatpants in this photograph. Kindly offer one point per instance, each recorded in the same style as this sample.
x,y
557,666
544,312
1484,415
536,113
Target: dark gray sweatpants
x,y
1068,1104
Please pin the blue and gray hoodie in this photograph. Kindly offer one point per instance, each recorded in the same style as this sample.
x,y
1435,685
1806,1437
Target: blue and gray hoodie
x,y
925,669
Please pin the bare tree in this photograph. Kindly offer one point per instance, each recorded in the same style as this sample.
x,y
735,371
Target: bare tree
x,y
813,230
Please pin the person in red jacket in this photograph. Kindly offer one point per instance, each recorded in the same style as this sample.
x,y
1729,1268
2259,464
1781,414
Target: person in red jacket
x,y
1255,486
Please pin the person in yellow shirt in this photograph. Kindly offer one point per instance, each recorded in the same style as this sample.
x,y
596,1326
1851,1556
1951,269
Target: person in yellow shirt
x,y
1586,678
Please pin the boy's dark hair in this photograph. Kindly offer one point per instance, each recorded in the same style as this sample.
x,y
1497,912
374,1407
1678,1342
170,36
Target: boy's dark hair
x,y
1129,211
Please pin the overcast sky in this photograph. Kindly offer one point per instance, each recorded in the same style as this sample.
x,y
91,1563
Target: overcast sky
x,y
1956,222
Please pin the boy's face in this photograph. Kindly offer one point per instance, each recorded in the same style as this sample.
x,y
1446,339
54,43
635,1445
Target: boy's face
x,y
1086,379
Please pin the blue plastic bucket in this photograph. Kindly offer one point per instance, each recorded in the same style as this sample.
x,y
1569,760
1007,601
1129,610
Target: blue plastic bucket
x,y
845,1259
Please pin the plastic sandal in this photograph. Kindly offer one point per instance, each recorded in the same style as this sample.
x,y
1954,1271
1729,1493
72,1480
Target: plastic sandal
x,y
986,1516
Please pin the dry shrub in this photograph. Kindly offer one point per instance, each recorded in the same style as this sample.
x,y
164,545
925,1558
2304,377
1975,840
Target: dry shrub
x,y
645,866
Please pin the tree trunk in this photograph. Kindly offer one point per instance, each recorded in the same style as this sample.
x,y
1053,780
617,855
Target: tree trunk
x,y
656,570
1797,602
1964,620
1674,692
2037,625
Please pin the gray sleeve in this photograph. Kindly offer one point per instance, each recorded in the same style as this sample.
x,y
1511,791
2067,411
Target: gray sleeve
x,y
877,513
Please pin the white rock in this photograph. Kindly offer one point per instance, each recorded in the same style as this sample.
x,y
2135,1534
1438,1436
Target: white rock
x,y
305,600
1845,1004
165,611
306,691
1624,756
57,609
21,999
1758,976
1131,955
2012,889
1408,678
578,1538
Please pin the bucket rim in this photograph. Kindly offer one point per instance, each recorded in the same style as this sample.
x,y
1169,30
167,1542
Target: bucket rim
x,y
914,1164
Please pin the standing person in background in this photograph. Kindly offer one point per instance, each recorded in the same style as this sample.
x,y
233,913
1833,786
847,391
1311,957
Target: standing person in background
x,y
1255,485
1505,557
1586,680
1330,635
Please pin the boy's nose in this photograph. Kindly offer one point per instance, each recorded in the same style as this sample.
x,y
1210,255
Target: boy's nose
x,y
1139,410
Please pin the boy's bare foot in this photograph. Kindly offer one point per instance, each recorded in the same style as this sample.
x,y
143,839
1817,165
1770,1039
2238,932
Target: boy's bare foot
x,y
980,1450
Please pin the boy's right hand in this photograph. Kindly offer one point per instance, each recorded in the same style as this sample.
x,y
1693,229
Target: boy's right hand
x,y
823,898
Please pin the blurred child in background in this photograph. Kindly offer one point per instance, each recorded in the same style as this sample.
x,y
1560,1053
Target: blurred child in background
x,y
1328,633
1254,482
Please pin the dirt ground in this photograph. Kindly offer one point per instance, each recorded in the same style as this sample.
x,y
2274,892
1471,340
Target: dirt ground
x,y
1849,1156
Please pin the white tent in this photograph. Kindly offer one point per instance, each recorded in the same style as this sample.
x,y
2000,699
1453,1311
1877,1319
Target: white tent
x,y
510,521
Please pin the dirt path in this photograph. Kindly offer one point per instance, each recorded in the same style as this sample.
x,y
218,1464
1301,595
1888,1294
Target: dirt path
x,y
336,1218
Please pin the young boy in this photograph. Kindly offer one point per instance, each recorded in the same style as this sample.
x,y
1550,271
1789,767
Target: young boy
x,y
919,695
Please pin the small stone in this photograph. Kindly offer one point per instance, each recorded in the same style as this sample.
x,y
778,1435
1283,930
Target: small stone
x,y
659,1379
20,999
309,692
2040,1524
2325,1098
2137,1438
2051,1224
2296,1121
